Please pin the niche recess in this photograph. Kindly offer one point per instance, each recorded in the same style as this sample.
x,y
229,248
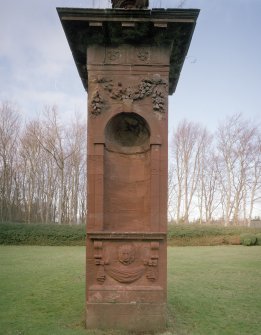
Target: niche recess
x,y
127,174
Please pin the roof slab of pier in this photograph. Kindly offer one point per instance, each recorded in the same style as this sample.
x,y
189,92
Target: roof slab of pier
x,y
172,27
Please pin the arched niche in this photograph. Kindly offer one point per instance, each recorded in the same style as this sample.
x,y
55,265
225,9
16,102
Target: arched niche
x,y
127,133
127,166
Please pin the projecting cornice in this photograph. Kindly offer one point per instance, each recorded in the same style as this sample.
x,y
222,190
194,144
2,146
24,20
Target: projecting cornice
x,y
172,27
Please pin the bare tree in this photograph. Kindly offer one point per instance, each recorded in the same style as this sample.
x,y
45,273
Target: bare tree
x,y
244,152
52,138
254,183
187,150
227,139
76,168
30,154
210,195
236,138
172,191
9,132
207,185
40,176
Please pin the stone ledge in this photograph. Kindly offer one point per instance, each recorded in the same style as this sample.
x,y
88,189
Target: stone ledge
x,y
126,236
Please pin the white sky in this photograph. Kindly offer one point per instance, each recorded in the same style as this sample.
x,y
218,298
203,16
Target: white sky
x,y
221,75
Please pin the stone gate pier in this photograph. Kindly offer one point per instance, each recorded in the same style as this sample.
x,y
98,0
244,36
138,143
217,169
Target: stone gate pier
x,y
129,60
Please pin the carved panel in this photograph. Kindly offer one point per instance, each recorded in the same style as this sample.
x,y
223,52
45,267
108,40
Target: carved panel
x,y
98,245
154,87
153,262
113,55
126,262
143,55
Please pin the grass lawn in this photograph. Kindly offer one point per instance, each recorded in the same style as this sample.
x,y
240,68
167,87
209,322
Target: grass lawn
x,y
215,290
212,290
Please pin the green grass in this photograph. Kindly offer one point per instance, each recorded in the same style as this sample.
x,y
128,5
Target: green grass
x,y
212,290
215,290
41,290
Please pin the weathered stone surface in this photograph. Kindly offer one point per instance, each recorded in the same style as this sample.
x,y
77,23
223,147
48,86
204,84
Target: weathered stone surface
x,y
128,67
127,178
132,316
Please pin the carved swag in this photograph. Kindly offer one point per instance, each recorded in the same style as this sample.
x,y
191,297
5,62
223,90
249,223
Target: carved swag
x,y
156,88
124,270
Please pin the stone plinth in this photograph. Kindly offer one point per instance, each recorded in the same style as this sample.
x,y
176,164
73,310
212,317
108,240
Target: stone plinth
x,y
129,61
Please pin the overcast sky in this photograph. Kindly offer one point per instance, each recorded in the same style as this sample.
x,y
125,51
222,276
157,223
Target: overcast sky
x,y
221,75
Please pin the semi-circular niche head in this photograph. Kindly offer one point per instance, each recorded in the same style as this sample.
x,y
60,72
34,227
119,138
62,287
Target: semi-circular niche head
x,y
127,133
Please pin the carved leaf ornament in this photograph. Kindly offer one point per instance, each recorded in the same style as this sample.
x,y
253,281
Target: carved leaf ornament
x,y
156,88
96,104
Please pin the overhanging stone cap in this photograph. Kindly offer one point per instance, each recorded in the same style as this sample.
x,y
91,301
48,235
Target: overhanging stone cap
x,y
173,27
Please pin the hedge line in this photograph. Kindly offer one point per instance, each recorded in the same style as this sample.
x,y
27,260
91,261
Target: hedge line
x,y
40,234
195,231
249,239
193,235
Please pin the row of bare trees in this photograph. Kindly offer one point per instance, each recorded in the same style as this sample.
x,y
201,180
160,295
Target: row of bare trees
x,y
215,176
42,168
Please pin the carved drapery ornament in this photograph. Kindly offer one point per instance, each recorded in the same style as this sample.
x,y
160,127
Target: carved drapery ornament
x,y
123,274
125,270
